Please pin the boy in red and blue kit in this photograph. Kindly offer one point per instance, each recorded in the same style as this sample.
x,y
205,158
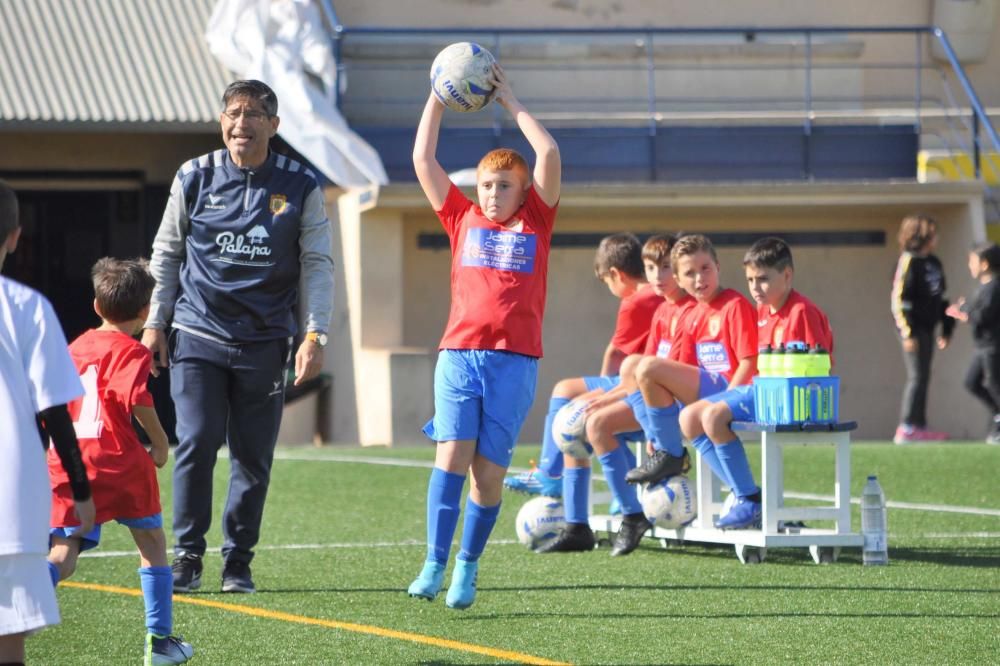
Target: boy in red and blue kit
x,y
783,315
721,330
619,263
487,369
114,369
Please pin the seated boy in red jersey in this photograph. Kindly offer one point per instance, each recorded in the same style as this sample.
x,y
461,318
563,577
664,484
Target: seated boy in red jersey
x,y
722,330
487,369
114,369
619,264
610,419
783,315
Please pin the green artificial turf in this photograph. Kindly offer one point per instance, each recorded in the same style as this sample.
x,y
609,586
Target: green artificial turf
x,y
358,531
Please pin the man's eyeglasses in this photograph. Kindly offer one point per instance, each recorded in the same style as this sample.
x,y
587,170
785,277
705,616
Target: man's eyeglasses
x,y
253,116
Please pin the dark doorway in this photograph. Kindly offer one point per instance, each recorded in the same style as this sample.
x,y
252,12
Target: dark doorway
x,y
65,231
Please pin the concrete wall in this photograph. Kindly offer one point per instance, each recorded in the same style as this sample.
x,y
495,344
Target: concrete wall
x,y
850,283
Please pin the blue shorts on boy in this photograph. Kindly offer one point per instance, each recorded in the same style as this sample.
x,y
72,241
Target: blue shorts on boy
x,y
482,396
92,539
740,401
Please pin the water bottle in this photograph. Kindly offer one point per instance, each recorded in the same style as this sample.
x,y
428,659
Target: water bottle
x,y
873,524
819,362
764,368
778,361
795,359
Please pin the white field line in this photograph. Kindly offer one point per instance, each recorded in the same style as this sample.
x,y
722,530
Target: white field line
x,y
214,551
911,506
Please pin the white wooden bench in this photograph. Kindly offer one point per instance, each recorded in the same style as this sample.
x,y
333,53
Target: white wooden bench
x,y
751,544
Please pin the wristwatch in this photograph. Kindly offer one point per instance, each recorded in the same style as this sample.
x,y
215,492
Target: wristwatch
x,y
319,337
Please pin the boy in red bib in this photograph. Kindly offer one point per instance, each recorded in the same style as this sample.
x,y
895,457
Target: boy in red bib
x,y
114,368
783,315
486,373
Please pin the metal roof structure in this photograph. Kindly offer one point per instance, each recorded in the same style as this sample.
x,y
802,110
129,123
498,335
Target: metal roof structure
x,y
108,65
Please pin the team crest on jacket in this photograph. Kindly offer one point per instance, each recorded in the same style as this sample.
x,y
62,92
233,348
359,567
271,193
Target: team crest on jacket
x,y
277,204
714,325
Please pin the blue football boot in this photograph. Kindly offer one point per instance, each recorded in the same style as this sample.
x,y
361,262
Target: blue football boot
x,y
428,583
462,591
534,482
744,514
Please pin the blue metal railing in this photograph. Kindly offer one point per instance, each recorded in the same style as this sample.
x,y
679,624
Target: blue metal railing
x,y
655,110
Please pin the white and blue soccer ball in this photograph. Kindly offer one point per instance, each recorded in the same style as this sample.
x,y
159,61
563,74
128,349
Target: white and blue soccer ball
x,y
569,429
670,503
539,521
460,76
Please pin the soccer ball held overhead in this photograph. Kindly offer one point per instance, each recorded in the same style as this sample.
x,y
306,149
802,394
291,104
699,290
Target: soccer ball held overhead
x,y
460,76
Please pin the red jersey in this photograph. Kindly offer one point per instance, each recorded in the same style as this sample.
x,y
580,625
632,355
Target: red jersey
x,y
722,333
799,319
113,368
498,275
666,327
635,316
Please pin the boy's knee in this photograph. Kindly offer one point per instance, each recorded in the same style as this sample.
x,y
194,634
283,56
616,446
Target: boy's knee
x,y
715,420
690,420
65,565
644,369
567,388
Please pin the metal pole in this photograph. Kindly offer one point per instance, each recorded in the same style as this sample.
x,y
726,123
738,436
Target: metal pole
x,y
976,169
918,37
807,125
651,103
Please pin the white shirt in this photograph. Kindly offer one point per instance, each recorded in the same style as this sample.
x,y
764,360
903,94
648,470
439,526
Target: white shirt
x,y
36,372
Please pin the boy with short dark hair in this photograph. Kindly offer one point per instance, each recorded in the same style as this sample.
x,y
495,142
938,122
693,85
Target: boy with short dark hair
x,y
783,315
618,263
487,369
37,377
114,368
722,333
611,421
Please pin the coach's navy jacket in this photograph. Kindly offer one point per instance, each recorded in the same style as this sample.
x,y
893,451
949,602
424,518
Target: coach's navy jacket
x,y
231,248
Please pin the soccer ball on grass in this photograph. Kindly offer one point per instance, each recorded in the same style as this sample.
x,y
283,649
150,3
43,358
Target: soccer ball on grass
x,y
539,521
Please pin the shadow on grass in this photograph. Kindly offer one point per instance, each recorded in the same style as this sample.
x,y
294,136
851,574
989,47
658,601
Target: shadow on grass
x,y
982,556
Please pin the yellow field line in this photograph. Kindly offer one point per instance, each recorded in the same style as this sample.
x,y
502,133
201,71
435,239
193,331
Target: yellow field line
x,y
332,624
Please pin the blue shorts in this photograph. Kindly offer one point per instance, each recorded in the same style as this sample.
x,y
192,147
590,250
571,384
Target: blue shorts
x,y
92,538
606,382
484,396
740,401
710,383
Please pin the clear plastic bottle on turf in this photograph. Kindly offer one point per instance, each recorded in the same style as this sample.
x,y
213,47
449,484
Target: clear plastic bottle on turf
x,y
874,526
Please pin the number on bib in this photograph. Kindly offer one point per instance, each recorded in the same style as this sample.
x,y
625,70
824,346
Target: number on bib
x,y
88,424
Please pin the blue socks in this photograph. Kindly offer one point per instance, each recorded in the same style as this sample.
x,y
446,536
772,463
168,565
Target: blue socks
x,y
576,492
53,573
734,460
623,444
638,405
706,448
444,497
157,593
665,429
615,467
551,463
479,522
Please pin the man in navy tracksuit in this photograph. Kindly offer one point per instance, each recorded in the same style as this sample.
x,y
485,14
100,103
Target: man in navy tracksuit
x,y
240,229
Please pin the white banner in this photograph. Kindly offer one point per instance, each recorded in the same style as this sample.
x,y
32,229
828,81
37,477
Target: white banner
x,y
283,44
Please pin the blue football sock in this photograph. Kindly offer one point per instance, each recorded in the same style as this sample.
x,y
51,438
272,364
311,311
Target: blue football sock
x,y
479,522
623,444
615,468
157,593
734,460
444,497
551,461
665,429
638,405
707,450
54,574
576,493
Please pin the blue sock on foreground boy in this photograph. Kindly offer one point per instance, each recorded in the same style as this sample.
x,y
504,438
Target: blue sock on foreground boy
x,y
484,381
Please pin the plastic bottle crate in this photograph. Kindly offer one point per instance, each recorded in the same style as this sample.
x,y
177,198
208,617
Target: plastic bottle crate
x,y
792,400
